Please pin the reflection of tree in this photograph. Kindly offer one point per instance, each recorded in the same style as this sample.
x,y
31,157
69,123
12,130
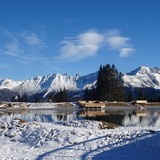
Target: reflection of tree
x,y
62,117
110,117
142,118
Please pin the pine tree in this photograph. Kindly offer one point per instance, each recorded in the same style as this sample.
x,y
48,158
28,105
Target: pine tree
x,y
109,84
19,98
64,95
141,94
86,94
99,90
60,96
129,96
36,100
13,99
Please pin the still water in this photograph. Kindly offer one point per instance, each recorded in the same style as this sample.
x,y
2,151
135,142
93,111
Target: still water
x,y
120,117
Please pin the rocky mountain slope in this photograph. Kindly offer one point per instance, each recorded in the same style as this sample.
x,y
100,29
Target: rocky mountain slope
x,y
143,77
45,85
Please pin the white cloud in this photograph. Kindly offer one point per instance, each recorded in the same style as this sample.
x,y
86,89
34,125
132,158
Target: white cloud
x,y
88,44
91,38
116,42
125,52
32,39
12,49
20,44
84,45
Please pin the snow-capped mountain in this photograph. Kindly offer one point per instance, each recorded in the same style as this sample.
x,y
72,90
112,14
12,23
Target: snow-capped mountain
x,y
86,81
50,83
47,84
143,77
9,84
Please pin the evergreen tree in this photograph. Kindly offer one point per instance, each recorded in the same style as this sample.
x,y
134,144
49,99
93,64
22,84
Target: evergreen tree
x,y
64,95
60,96
89,94
22,98
109,84
99,90
129,97
141,94
36,100
19,98
120,88
86,94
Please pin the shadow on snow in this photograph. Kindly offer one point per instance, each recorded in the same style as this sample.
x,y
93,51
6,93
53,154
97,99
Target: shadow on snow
x,y
138,148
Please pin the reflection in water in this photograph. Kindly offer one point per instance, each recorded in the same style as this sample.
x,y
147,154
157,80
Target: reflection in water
x,y
43,115
119,117
107,116
143,118
125,117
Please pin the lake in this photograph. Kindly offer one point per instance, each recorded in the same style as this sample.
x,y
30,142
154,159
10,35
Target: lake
x,y
122,117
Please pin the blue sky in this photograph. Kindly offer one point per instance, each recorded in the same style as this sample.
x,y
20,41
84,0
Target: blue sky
x,y
40,37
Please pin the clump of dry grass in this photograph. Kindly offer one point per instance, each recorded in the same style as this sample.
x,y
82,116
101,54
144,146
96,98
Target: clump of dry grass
x,y
106,125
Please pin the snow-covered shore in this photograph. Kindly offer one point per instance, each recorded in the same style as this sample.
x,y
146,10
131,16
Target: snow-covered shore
x,y
76,140
25,105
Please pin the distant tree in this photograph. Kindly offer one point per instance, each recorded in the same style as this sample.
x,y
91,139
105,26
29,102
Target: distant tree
x,y
100,86
86,94
120,96
141,94
158,99
89,94
14,99
19,98
37,100
129,97
50,98
64,95
22,98
60,96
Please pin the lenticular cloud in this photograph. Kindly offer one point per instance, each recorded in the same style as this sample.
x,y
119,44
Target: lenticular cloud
x,y
88,44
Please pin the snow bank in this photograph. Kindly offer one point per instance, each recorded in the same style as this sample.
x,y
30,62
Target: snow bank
x,y
69,140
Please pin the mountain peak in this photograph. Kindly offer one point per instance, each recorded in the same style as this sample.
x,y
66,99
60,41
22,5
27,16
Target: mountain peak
x,y
140,70
143,77
9,84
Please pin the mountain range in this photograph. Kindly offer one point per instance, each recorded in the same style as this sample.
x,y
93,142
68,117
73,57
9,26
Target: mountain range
x,y
142,77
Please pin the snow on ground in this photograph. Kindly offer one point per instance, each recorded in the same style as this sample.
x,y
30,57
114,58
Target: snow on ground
x,y
76,140
24,105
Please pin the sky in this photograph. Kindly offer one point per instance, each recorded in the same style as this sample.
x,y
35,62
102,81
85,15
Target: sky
x,y
41,37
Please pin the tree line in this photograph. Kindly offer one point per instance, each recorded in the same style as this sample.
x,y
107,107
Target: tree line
x,y
20,98
59,96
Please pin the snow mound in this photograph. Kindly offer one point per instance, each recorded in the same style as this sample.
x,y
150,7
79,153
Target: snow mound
x,y
72,140
81,124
